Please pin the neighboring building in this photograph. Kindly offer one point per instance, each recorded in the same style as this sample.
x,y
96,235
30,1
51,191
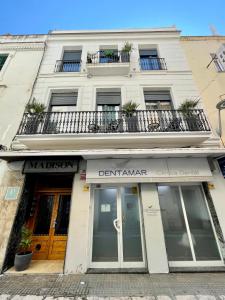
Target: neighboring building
x,y
206,58
118,188
20,58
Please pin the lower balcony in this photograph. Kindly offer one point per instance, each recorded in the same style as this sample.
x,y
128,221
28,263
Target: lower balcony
x,y
113,129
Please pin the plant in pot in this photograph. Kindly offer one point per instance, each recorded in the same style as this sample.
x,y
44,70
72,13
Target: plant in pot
x,y
24,255
89,58
35,115
109,54
129,111
188,110
125,52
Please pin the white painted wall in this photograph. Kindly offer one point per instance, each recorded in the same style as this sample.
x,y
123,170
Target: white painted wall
x,y
153,228
178,78
76,260
16,80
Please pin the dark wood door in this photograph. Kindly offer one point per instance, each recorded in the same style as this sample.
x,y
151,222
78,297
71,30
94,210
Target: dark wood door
x,y
50,225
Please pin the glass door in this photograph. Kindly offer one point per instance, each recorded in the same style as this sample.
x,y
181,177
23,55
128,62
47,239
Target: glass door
x,y
117,232
189,233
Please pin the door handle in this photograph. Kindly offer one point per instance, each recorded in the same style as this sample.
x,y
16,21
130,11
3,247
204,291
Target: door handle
x,y
54,223
116,225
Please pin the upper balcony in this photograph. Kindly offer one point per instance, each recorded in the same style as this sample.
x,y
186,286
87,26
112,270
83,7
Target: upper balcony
x,y
113,129
152,64
108,62
68,66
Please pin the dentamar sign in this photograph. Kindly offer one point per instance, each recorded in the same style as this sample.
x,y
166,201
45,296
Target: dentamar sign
x,y
123,172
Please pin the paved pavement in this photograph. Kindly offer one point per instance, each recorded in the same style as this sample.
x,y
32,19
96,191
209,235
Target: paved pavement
x,y
189,286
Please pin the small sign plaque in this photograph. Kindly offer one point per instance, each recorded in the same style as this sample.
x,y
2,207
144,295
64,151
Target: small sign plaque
x,y
12,193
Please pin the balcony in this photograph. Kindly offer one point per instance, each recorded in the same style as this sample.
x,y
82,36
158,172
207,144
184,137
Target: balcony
x,y
67,66
152,64
101,63
113,129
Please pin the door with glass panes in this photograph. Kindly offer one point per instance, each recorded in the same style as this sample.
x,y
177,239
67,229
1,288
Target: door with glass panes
x,y
189,232
49,225
117,240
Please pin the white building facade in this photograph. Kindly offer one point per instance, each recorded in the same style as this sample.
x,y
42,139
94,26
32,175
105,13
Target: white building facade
x,y
20,58
105,186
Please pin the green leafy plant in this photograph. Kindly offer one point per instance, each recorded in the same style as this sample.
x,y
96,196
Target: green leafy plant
x,y
25,240
108,53
127,47
129,108
89,58
35,107
187,107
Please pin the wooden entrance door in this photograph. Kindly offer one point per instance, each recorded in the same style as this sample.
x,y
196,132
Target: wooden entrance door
x,y
50,225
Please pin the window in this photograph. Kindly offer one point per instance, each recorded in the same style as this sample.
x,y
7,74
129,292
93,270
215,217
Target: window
x,y
157,100
63,102
61,119
3,58
149,59
71,61
108,105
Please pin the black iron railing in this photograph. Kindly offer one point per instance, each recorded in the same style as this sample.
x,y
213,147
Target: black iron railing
x,y
67,66
113,122
102,57
153,63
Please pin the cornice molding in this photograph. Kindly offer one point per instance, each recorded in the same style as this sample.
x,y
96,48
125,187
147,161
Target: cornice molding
x,y
203,38
22,46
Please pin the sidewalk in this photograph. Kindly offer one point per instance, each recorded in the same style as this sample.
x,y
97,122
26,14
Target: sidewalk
x,y
189,286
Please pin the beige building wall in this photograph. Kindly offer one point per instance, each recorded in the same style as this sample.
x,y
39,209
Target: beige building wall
x,y
210,82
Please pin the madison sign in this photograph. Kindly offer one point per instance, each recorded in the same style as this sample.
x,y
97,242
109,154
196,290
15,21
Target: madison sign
x,y
51,166
148,170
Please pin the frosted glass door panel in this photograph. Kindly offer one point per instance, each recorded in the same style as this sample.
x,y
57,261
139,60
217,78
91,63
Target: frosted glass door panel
x,y
105,248
176,237
202,234
132,246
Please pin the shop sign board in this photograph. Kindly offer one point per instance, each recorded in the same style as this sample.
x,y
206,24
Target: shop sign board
x,y
51,166
221,162
148,170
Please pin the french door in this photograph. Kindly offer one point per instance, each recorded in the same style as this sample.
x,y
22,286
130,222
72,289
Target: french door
x,y
49,225
117,240
188,228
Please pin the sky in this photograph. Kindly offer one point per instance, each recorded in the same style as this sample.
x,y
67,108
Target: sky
x,y
193,17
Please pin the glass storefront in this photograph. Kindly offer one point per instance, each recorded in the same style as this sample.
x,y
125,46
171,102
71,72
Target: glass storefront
x,y
188,230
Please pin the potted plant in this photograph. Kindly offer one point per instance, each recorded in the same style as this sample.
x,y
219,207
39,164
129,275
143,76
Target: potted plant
x,y
125,52
24,255
35,115
188,110
129,110
89,58
110,56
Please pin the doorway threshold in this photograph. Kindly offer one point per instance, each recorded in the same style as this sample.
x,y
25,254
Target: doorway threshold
x,y
117,271
197,269
40,267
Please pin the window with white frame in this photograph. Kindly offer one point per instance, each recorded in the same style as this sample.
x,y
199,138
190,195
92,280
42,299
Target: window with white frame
x,y
63,102
157,100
